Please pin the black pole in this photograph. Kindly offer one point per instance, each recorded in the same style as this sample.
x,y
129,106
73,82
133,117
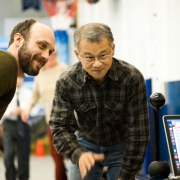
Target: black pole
x,y
157,101
157,136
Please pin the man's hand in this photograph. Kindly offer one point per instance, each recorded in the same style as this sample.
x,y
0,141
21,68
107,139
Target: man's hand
x,y
87,161
25,115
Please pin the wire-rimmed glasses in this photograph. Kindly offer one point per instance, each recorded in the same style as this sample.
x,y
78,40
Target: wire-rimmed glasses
x,y
91,59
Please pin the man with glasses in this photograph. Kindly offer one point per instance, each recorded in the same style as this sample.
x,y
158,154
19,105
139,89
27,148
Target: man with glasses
x,y
99,116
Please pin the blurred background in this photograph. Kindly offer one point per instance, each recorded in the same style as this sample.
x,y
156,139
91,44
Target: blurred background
x,y
146,33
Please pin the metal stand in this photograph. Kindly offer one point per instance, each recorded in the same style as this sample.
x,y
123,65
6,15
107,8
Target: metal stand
x,y
157,169
157,101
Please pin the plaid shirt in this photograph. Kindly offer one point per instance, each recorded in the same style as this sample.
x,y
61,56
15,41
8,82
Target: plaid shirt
x,y
104,115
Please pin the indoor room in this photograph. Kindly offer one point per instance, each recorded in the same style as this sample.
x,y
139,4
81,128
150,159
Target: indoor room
x,y
110,75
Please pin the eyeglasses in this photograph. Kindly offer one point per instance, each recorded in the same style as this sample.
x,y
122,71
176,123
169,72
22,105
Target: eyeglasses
x,y
90,59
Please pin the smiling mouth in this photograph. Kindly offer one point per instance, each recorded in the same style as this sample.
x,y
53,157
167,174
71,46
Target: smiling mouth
x,y
40,61
98,70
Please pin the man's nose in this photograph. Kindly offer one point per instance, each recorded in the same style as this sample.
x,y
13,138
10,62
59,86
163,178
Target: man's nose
x,y
46,55
97,62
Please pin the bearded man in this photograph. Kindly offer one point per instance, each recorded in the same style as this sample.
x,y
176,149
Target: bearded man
x,y
31,43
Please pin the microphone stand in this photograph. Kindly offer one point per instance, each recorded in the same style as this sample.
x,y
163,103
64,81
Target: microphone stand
x,y
157,101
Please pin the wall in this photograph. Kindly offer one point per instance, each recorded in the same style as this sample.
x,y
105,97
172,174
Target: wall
x,y
146,34
13,9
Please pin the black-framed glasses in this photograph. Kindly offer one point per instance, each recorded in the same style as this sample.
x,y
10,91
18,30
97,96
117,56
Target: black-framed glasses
x,y
90,58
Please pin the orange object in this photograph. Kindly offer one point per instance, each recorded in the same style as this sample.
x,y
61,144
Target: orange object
x,y
39,148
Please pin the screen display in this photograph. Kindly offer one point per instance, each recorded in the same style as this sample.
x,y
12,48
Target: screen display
x,y
172,127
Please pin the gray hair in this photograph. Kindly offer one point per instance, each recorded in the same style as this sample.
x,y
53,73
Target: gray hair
x,y
92,32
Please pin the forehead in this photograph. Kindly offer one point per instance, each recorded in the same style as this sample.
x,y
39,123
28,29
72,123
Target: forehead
x,y
85,46
40,32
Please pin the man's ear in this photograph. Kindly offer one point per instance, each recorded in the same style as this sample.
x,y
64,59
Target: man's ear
x,y
113,49
18,39
77,54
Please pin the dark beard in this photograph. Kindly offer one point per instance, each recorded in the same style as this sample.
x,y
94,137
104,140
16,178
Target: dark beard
x,y
25,61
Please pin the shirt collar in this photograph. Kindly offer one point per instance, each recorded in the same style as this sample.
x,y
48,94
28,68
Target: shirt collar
x,y
112,73
84,75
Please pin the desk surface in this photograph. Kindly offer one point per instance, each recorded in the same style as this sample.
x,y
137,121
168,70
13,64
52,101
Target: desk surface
x,y
146,177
